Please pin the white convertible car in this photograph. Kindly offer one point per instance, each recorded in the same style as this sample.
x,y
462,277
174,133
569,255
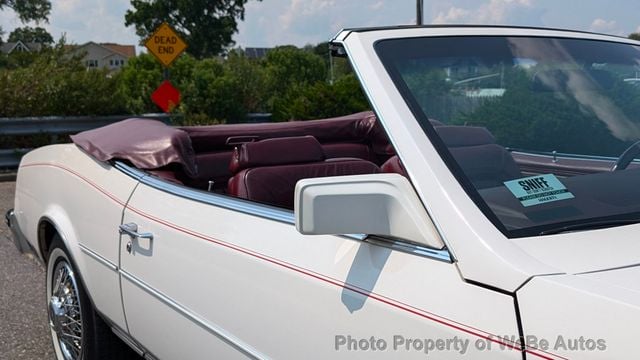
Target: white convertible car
x,y
487,208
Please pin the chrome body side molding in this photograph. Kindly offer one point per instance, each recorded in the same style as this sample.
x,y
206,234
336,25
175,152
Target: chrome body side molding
x,y
98,257
213,329
269,212
128,340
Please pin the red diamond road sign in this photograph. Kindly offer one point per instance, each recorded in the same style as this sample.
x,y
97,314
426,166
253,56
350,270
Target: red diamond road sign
x,y
166,96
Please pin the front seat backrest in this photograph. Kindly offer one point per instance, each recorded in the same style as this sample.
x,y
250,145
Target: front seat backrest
x,y
484,162
267,171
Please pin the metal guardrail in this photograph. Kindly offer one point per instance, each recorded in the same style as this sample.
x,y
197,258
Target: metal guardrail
x,y
60,125
10,158
56,125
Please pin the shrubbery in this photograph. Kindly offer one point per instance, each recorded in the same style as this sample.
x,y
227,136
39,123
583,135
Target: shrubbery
x,y
54,83
290,83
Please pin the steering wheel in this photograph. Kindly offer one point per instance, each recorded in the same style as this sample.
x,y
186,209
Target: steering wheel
x,y
627,157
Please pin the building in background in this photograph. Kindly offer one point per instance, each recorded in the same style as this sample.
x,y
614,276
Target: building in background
x,y
105,55
255,52
19,46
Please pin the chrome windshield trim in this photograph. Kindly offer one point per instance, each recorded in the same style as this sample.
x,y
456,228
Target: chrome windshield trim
x,y
267,212
98,257
213,329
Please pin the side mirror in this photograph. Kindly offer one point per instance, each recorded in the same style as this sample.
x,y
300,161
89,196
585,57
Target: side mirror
x,y
378,204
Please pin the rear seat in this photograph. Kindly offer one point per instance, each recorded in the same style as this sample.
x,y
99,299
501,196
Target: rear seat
x,y
357,136
214,166
267,171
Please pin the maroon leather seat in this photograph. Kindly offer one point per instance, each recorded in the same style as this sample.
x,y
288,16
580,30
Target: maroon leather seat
x,y
484,162
352,150
394,165
212,167
486,165
267,171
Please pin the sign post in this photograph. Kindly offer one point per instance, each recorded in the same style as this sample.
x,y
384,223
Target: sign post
x,y
166,45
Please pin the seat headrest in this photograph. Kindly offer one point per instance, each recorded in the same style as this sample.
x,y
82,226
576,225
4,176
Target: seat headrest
x,y
460,136
276,151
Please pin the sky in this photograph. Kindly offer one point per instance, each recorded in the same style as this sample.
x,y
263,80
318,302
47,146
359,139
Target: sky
x,y
299,22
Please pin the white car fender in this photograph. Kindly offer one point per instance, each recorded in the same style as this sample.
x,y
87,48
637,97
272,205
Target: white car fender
x,y
59,219
580,316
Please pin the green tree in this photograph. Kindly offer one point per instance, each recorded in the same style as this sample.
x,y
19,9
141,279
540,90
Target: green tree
x,y
336,66
223,91
138,79
29,34
57,84
28,10
143,74
288,66
634,36
534,117
323,100
288,70
206,25
250,75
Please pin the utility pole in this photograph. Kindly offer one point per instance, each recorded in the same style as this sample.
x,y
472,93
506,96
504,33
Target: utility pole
x,y
419,11
330,68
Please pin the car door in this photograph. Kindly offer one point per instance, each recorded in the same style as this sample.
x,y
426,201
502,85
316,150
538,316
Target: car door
x,y
229,278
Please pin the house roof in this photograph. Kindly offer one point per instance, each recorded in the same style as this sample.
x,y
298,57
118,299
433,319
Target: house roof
x,y
126,50
8,47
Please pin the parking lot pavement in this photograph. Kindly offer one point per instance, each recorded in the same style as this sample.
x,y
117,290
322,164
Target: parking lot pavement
x,y
24,333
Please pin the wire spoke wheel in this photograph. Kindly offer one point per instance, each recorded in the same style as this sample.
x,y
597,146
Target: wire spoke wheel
x,y
77,331
65,310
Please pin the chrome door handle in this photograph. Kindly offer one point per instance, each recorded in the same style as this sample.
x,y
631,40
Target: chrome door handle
x,y
131,229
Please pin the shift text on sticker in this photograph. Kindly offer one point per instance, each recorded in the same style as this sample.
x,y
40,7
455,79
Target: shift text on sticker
x,y
538,189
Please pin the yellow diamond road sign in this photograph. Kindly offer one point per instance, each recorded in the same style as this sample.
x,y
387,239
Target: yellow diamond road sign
x,y
165,44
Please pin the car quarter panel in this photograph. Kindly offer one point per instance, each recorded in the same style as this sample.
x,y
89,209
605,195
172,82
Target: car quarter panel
x,y
215,280
83,199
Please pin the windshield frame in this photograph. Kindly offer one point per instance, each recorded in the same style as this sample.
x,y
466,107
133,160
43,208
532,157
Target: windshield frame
x,y
456,170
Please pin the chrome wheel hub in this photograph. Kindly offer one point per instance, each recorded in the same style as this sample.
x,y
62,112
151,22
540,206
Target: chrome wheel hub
x,y
65,316
57,307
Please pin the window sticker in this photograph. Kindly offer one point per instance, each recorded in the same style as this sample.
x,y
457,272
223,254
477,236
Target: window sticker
x,y
539,189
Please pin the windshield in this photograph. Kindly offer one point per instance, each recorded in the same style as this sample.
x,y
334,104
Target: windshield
x,y
534,128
